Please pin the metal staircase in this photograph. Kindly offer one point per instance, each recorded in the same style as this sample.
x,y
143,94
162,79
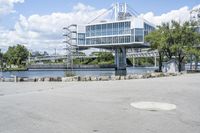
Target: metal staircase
x,y
71,44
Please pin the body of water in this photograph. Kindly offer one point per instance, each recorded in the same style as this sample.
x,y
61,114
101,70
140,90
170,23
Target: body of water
x,y
61,73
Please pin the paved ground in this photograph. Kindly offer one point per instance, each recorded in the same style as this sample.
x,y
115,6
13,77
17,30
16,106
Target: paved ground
x,y
102,107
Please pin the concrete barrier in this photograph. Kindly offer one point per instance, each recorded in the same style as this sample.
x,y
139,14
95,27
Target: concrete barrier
x,y
103,78
88,78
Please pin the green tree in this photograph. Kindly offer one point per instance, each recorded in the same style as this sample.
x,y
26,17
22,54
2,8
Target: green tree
x,y
1,59
175,40
185,39
15,55
155,38
105,56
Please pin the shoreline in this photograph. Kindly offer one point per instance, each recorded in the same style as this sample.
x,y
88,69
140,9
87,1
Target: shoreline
x,y
88,78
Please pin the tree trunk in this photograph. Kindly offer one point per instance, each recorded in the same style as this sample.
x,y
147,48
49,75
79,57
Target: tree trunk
x,y
196,62
179,66
191,62
180,61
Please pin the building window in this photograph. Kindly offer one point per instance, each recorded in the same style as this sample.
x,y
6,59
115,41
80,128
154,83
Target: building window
x,y
98,30
132,35
98,40
115,28
88,41
148,29
81,38
87,31
127,39
127,27
121,27
103,29
109,29
93,30
93,40
103,40
115,39
108,40
139,35
121,39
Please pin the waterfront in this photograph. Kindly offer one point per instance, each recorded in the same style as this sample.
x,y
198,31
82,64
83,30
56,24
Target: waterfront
x,y
104,107
61,73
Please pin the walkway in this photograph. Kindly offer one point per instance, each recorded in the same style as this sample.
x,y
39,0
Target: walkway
x,y
102,107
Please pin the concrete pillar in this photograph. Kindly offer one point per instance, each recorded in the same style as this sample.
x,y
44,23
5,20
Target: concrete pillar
x,y
155,61
120,58
124,56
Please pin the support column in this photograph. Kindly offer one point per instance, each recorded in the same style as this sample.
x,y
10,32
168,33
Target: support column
x,y
124,57
155,61
117,58
120,58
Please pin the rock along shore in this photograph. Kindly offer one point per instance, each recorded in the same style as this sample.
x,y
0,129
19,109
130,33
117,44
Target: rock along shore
x,y
88,78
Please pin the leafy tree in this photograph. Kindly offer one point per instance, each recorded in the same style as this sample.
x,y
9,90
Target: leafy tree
x,y
175,40
1,59
105,56
156,40
15,55
185,39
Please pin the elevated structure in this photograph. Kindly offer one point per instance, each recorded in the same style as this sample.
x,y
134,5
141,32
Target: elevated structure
x,y
58,57
125,31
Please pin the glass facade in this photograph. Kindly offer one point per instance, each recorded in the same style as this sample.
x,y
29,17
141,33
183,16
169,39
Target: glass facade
x,y
108,40
117,28
113,33
81,38
148,28
139,35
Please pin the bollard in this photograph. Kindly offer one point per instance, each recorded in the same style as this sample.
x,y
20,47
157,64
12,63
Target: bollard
x,y
15,79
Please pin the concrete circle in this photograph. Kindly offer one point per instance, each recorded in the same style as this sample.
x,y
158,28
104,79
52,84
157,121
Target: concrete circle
x,y
153,106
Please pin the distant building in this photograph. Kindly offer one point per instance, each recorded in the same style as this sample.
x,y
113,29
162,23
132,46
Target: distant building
x,y
125,31
195,16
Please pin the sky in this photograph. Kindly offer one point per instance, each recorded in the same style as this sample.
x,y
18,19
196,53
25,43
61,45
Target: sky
x,y
38,23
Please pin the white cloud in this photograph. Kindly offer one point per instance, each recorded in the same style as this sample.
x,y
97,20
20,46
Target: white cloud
x,y
196,7
82,7
6,6
45,32
181,15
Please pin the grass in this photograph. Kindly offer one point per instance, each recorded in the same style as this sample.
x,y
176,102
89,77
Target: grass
x,y
15,69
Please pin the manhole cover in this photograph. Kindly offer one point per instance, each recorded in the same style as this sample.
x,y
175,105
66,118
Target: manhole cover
x,y
153,106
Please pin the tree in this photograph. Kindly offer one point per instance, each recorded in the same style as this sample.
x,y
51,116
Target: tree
x,y
156,40
1,59
185,39
175,40
195,44
15,55
105,56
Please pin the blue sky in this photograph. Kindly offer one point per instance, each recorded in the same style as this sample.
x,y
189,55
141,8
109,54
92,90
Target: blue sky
x,y
38,23
48,6
43,7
